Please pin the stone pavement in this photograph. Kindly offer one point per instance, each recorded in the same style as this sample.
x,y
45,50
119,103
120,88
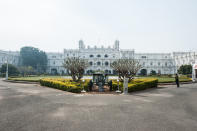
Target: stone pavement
x,y
30,107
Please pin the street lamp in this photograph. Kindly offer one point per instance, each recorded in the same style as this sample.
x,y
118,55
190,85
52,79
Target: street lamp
x,y
6,77
118,91
83,91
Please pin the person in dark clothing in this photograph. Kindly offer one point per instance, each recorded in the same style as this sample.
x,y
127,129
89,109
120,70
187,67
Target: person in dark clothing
x,y
110,85
177,80
90,85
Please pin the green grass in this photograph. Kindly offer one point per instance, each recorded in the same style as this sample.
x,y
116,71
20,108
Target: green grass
x,y
170,79
162,79
32,78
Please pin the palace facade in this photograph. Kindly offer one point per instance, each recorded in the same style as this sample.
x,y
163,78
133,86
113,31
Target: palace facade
x,y
100,58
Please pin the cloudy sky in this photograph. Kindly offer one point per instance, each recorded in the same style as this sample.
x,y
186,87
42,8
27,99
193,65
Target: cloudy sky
x,y
143,25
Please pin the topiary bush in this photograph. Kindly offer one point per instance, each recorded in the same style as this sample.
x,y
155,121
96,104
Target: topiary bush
x,y
63,84
77,87
142,85
136,84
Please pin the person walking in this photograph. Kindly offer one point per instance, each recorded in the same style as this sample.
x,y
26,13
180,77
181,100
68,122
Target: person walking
x,y
177,80
110,85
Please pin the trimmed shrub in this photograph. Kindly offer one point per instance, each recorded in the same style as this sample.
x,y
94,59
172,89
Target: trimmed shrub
x,y
144,84
77,87
63,84
136,84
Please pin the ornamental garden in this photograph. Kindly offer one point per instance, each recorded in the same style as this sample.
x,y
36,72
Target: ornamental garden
x,y
99,81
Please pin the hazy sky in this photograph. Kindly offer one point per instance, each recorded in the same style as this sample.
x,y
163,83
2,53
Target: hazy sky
x,y
143,25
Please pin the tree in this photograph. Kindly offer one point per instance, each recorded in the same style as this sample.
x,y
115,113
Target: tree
x,y
143,72
12,70
185,69
153,72
27,70
33,57
76,67
126,68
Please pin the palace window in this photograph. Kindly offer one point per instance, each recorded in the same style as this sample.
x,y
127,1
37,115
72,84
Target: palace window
x,y
91,56
98,63
144,57
106,63
159,63
151,63
91,63
98,55
106,55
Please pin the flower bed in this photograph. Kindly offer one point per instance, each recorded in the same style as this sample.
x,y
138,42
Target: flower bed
x,y
64,84
137,84
77,87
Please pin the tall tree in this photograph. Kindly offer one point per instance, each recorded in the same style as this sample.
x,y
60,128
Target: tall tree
x,y
185,69
12,70
153,72
143,72
26,70
34,57
126,68
76,67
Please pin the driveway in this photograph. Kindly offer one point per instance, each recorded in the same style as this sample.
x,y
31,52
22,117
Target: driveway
x,y
30,107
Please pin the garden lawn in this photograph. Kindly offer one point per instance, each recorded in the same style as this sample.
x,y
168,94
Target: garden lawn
x,y
170,79
162,79
33,78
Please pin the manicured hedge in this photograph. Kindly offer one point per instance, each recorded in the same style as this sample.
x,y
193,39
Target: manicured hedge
x,y
142,84
76,87
137,84
64,84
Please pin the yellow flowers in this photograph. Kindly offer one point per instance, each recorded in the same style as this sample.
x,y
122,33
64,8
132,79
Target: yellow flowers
x,y
71,86
137,84
62,84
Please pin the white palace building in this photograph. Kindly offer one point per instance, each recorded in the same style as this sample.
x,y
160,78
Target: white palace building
x,y
100,58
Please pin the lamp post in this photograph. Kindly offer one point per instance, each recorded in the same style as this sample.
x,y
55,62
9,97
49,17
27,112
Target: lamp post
x,y
6,77
118,91
83,91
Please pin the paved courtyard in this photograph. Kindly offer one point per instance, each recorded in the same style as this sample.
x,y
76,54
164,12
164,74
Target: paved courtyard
x,y
30,107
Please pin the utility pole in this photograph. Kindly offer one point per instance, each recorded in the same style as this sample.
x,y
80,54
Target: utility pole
x,y
7,70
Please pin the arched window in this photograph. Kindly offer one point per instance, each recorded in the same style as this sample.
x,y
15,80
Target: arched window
x,y
91,63
106,55
106,63
98,55
91,55
114,72
98,63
